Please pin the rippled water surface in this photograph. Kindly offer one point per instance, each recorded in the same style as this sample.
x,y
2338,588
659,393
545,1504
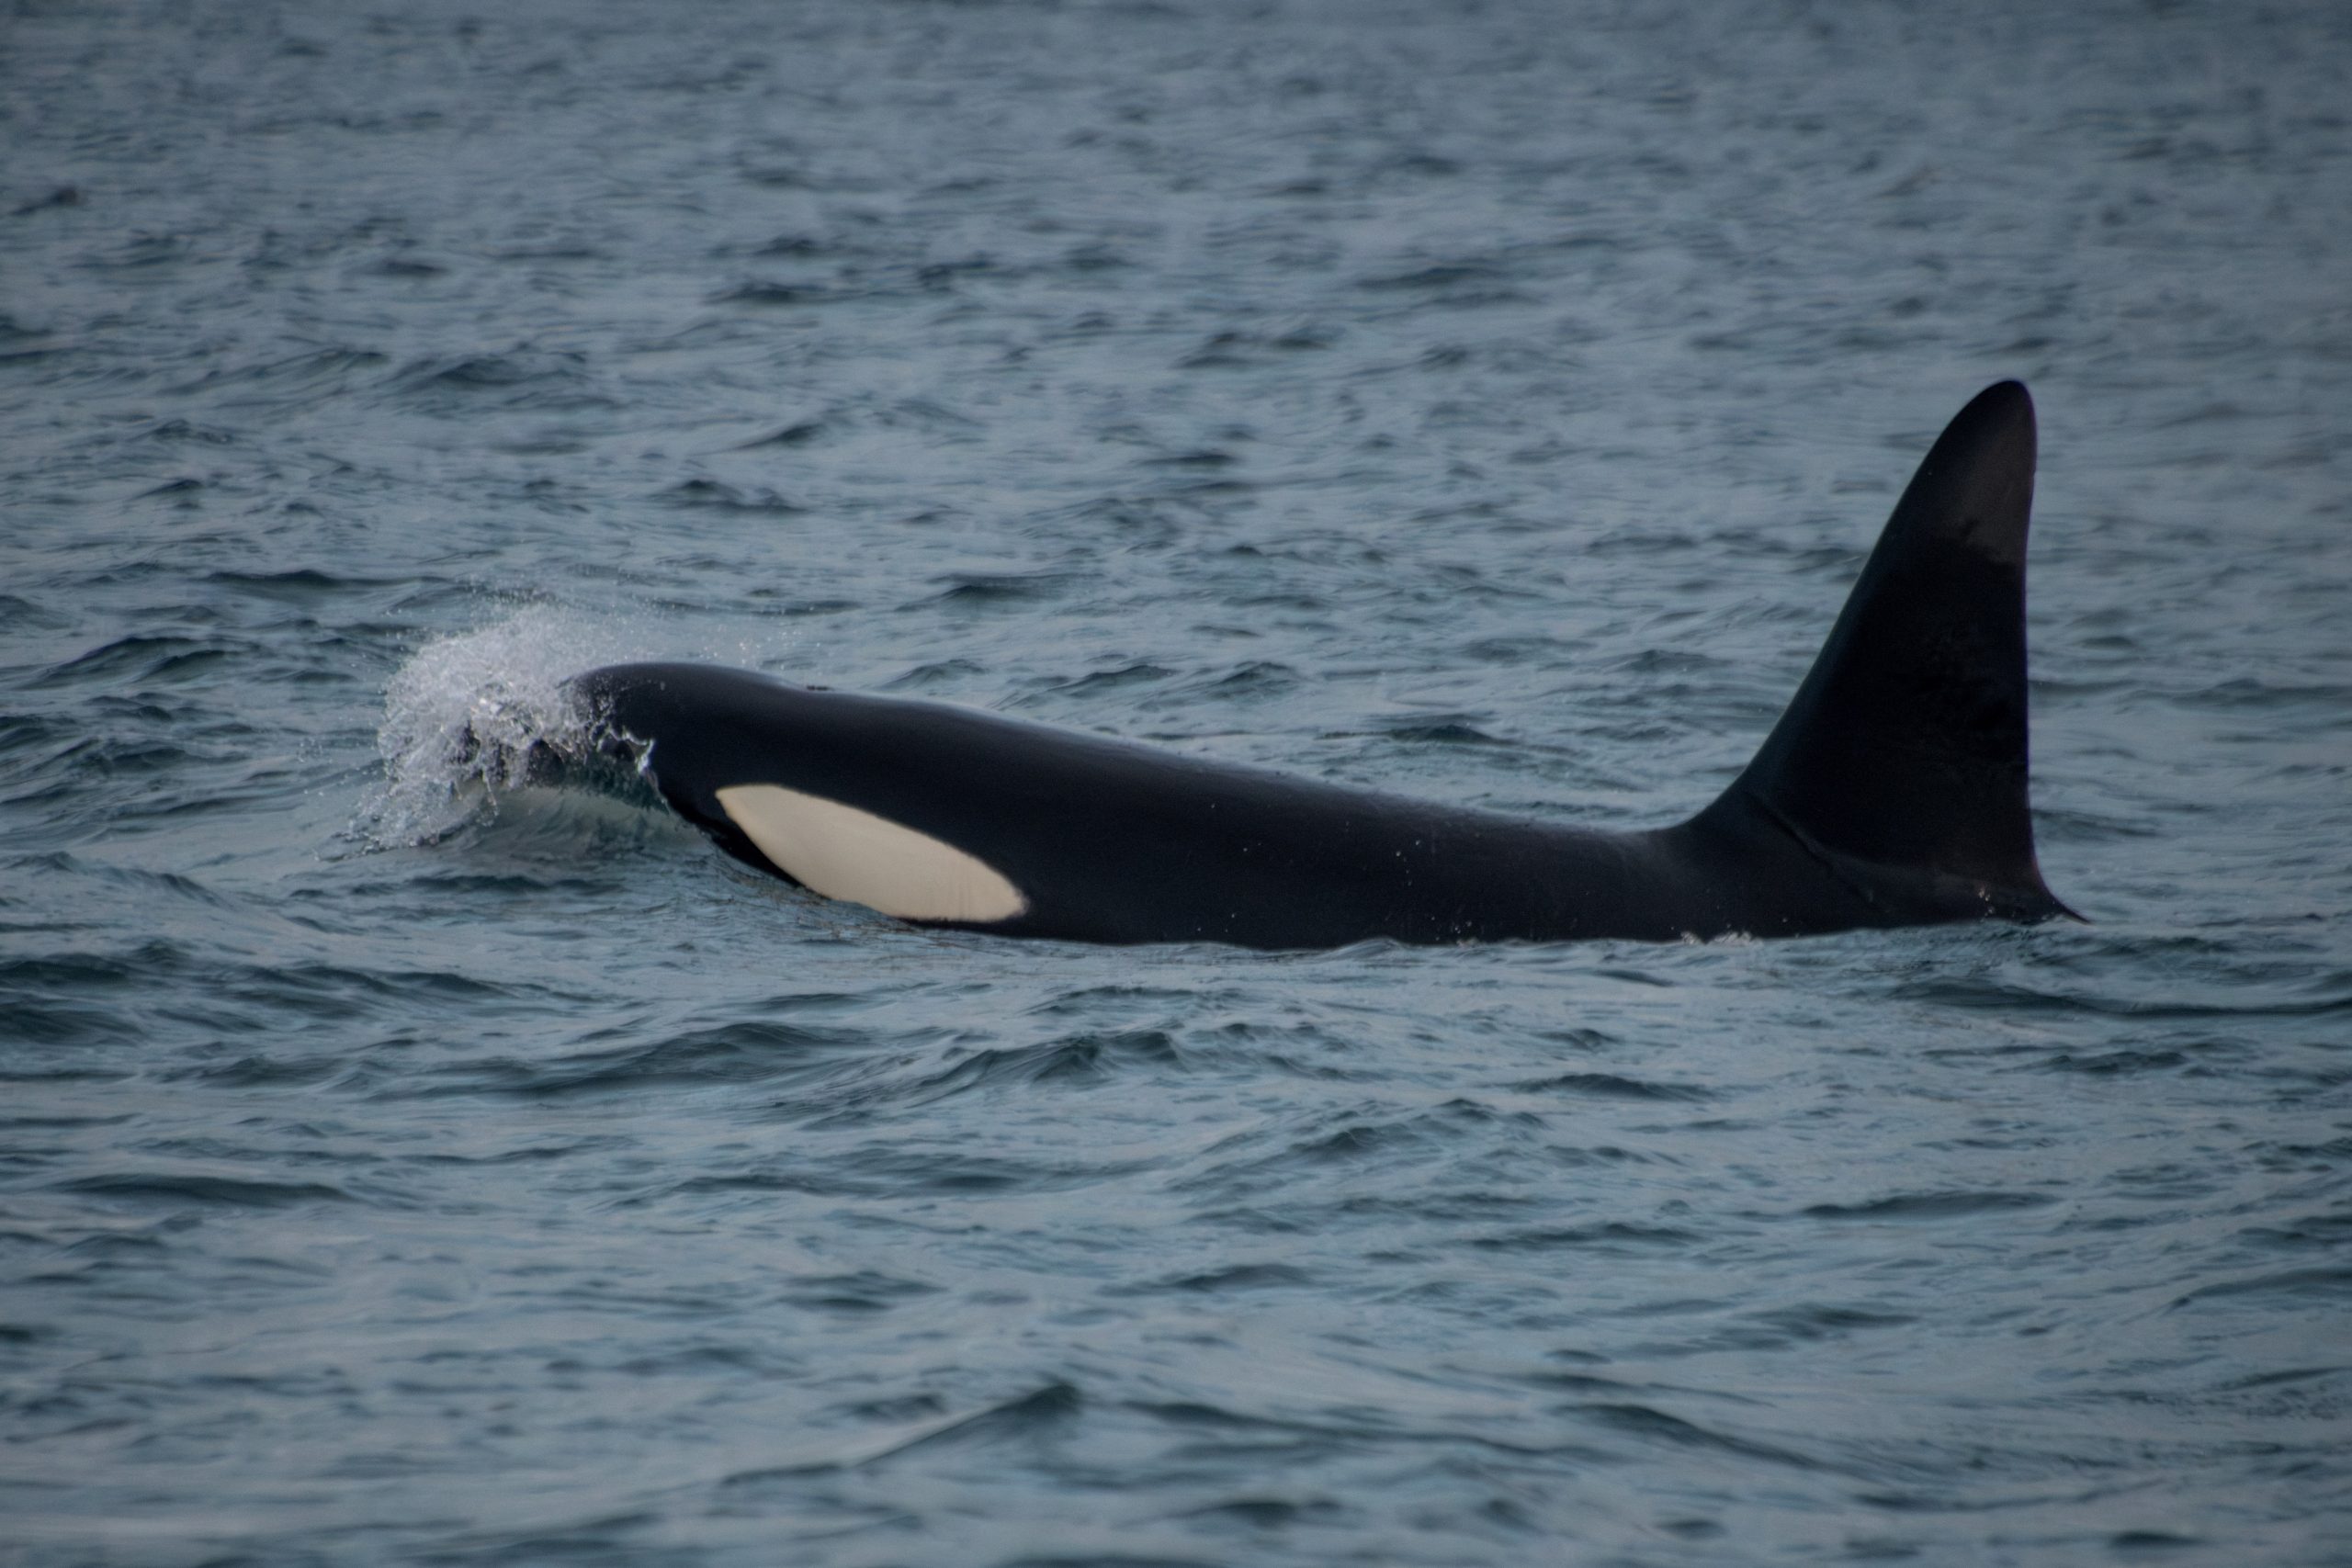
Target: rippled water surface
x,y
1491,402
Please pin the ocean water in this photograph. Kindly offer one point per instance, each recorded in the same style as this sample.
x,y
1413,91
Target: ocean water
x,y
402,1163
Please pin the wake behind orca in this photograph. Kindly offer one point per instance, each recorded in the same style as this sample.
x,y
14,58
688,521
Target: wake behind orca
x,y
1891,792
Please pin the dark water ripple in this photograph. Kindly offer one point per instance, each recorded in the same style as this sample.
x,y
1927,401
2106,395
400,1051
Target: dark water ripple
x,y
404,1161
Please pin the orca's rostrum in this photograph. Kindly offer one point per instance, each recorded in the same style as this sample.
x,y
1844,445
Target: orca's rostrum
x,y
1891,792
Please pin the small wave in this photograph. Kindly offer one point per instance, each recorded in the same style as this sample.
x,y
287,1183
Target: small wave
x,y
1253,681
1610,1236
2293,1286
1085,1058
713,496
196,1186
1446,275
748,1052
300,585
1039,1410
1453,731
38,1022
1038,1414
140,658
947,674
769,293
1220,1281
312,372
1929,1206
980,590
1648,1423
861,1292
26,616
1611,1086
1995,994
799,434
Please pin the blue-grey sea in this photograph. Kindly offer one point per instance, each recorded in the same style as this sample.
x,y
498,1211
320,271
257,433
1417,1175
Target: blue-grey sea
x,y
405,1163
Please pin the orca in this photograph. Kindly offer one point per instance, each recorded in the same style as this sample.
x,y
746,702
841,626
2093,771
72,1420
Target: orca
x,y
1892,791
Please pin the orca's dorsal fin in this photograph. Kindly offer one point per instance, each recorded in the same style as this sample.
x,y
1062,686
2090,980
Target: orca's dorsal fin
x,y
1906,748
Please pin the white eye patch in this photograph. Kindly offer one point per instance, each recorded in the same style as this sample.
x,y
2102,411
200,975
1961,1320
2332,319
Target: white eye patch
x,y
846,853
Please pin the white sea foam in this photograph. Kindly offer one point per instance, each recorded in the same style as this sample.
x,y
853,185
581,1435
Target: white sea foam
x,y
461,715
